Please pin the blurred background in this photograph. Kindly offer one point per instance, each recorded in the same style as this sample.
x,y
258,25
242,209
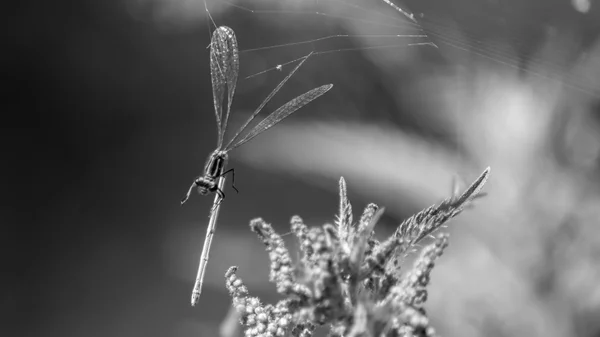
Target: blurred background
x,y
110,119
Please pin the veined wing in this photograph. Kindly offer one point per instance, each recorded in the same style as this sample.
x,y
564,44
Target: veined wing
x,y
281,113
264,102
224,68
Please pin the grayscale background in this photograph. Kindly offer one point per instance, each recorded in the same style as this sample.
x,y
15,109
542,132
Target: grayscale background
x,y
108,119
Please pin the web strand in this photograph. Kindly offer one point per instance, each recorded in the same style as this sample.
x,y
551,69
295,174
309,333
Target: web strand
x,y
209,21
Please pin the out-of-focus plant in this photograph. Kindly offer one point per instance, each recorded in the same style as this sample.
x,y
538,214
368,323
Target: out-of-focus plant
x,y
346,279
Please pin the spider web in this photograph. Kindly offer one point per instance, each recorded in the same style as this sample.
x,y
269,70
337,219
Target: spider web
x,y
506,34
336,27
389,28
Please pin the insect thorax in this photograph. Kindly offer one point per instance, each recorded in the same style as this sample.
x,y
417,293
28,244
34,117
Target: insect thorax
x,y
215,164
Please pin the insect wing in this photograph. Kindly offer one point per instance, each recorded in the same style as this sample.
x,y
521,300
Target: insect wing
x,y
224,68
281,113
264,102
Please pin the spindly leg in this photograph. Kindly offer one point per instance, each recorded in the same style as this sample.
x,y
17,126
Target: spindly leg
x,y
232,178
187,196
221,195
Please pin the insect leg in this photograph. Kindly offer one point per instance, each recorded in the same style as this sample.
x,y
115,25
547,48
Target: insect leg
x,y
221,195
187,196
232,178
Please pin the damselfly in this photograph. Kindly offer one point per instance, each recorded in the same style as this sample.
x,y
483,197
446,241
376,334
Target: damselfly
x,y
224,67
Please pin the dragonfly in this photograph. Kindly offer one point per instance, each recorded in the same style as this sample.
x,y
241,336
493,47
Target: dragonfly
x,y
224,69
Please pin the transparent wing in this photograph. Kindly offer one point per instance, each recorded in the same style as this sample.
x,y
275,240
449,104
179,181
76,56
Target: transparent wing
x,y
264,102
281,113
224,68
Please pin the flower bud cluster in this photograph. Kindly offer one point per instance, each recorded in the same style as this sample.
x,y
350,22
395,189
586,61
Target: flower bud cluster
x,y
347,280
